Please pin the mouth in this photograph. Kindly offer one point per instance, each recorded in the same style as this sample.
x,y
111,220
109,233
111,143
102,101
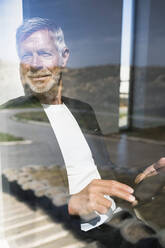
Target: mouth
x,y
39,77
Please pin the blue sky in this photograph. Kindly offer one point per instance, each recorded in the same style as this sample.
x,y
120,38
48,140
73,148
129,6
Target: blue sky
x,y
92,28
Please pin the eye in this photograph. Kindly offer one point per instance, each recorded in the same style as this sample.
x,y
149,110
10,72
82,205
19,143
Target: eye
x,y
45,54
26,56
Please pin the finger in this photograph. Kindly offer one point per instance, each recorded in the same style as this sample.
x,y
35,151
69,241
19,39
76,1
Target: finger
x,y
117,192
123,187
101,209
123,195
134,203
113,188
111,184
149,169
98,203
140,177
101,200
152,173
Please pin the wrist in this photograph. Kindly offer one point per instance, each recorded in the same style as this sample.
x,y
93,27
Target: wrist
x,y
71,206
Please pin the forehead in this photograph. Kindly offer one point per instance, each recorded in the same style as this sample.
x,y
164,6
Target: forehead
x,y
41,39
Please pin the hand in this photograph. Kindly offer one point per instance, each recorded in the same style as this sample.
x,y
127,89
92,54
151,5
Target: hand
x,y
91,198
152,170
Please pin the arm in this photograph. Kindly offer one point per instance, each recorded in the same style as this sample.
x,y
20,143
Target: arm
x,y
87,189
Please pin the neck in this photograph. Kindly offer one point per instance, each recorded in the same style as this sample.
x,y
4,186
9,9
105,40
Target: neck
x,y
49,98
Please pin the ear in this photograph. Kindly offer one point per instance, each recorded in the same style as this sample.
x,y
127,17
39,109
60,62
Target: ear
x,y
65,56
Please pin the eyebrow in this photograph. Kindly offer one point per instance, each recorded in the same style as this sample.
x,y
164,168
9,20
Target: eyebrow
x,y
45,49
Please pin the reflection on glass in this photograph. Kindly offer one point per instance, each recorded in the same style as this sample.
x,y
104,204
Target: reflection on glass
x,y
150,194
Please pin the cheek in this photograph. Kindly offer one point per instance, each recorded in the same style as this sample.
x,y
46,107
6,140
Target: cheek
x,y
23,71
56,70
51,63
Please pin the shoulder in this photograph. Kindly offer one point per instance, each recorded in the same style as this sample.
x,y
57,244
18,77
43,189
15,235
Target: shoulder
x,y
21,102
77,104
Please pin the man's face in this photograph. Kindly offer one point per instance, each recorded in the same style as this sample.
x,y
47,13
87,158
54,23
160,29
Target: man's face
x,y
39,67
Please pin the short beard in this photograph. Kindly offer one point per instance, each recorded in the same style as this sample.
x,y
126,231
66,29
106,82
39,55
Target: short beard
x,y
31,89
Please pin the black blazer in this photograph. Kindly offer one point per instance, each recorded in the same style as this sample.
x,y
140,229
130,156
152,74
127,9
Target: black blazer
x,y
85,117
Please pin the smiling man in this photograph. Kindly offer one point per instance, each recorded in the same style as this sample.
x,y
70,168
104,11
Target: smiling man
x,y
41,64
43,55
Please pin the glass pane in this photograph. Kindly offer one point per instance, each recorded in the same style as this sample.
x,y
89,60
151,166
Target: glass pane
x,y
92,31
42,165
65,132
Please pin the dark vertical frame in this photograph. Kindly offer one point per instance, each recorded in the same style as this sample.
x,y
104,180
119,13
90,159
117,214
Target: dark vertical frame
x,y
132,72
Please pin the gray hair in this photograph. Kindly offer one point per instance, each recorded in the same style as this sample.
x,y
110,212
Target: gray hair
x,y
35,24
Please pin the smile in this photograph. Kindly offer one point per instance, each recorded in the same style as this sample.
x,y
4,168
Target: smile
x,y
39,77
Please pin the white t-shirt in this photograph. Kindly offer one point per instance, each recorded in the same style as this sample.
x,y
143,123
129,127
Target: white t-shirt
x,y
77,155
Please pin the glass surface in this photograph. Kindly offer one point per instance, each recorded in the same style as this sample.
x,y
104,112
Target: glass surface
x,y
34,176
35,180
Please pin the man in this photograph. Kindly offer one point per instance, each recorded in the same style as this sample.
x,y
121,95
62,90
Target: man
x,y
43,55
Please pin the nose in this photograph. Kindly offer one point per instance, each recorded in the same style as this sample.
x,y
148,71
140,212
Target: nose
x,y
36,63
